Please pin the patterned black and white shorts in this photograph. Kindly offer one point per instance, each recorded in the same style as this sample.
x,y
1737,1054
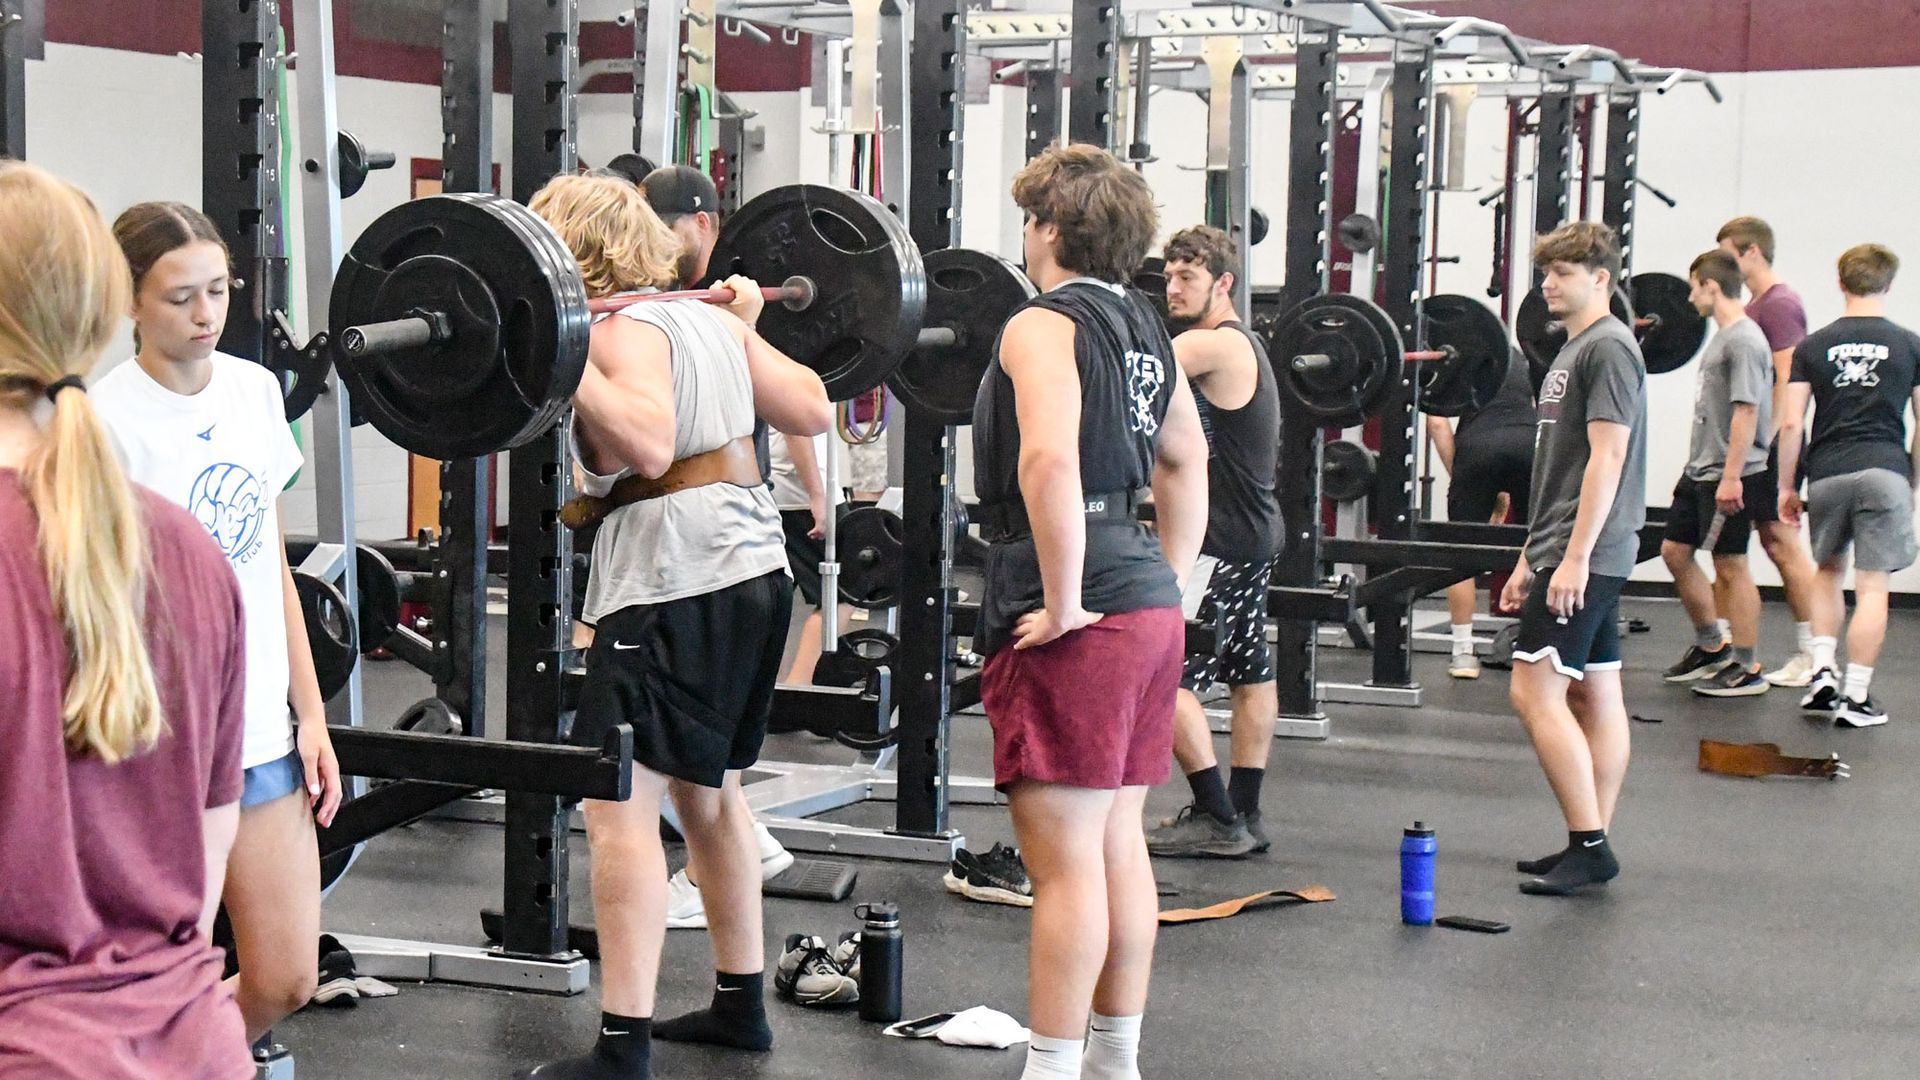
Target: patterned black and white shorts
x,y
1235,593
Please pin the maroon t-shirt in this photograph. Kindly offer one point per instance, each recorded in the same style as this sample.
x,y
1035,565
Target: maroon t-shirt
x,y
1780,315
103,972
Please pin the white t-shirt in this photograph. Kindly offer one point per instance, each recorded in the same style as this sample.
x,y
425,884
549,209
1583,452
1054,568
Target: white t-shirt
x,y
224,454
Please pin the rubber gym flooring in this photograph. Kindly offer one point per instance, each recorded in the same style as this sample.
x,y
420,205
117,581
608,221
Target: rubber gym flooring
x,y
1761,928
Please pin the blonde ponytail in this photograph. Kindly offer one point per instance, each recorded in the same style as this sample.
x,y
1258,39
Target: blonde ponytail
x,y
64,286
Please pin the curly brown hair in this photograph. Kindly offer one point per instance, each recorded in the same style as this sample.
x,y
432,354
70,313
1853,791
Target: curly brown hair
x,y
1204,245
1586,243
1103,209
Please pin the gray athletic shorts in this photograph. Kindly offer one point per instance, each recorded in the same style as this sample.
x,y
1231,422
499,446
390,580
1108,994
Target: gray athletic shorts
x,y
1871,511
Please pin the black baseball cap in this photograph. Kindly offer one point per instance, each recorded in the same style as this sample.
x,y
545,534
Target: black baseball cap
x,y
673,190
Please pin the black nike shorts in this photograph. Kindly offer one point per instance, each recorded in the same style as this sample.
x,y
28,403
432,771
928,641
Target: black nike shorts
x,y
694,676
1587,640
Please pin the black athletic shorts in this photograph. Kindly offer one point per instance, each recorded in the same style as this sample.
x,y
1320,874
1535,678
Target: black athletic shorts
x,y
1589,640
1690,515
1236,595
804,554
693,676
1486,466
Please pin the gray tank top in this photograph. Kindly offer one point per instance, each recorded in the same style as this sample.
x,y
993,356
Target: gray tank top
x,y
703,539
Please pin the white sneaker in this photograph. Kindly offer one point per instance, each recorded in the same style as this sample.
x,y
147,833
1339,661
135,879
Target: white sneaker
x,y
774,859
1464,666
1797,671
685,909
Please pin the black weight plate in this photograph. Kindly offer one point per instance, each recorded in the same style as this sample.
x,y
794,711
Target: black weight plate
x,y
1677,331
870,289
430,716
379,610
1541,336
860,654
1151,279
871,553
1347,470
1473,332
973,293
330,632
514,295
1363,344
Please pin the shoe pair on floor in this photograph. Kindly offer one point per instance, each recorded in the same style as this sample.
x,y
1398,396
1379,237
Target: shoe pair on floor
x,y
685,909
814,974
1194,833
996,876
1713,673
1825,699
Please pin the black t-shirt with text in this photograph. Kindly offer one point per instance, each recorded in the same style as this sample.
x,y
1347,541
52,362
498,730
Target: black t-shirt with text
x,y
1126,366
1861,369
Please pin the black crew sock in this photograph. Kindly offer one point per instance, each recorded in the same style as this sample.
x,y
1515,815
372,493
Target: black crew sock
x,y
737,1017
624,1052
1243,788
1588,860
1210,793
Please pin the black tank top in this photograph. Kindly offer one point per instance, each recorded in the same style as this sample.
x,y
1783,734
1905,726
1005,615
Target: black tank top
x,y
1510,410
1125,361
1242,512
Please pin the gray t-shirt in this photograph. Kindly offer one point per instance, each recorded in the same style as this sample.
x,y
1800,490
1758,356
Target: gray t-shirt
x,y
1735,369
699,540
1599,375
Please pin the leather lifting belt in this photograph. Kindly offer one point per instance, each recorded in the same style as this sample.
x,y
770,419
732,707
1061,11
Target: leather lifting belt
x,y
1752,760
735,463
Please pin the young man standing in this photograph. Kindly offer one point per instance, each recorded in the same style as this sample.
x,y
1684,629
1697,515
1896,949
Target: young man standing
x,y
1723,491
1777,310
1859,373
1489,463
690,598
1080,618
1239,404
1589,501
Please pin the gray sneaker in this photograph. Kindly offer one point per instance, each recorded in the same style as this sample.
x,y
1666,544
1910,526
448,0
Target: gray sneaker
x,y
1195,834
1259,833
1464,666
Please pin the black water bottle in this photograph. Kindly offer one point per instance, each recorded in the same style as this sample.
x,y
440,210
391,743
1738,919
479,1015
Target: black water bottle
x,y
882,956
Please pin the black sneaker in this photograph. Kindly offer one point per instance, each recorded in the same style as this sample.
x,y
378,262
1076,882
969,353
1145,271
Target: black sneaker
x,y
1195,834
996,877
1698,663
808,975
1858,714
338,982
1823,693
1733,681
1254,829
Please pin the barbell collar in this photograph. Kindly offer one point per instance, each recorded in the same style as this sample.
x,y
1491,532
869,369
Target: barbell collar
x,y
1312,362
375,339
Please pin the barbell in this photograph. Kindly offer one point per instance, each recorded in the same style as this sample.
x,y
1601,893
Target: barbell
x,y
1340,356
1657,307
461,321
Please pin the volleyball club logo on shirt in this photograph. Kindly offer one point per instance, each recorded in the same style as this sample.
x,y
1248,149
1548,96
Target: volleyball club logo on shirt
x,y
1855,364
1146,374
230,502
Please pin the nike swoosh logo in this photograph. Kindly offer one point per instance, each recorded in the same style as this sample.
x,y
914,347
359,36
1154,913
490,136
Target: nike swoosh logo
x,y
727,989
1592,843
610,1031
623,648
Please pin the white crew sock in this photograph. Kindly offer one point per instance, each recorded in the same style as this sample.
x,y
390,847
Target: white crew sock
x,y
1821,650
1725,630
1859,677
1113,1048
1053,1059
1462,638
1803,637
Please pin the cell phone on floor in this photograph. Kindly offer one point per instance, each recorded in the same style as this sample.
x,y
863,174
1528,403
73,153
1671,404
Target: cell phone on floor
x,y
1478,926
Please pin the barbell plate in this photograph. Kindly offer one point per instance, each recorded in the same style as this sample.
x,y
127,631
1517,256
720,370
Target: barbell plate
x,y
331,635
1151,279
1347,470
379,590
1679,330
973,293
1541,336
871,552
871,289
1473,332
860,655
1364,347
520,324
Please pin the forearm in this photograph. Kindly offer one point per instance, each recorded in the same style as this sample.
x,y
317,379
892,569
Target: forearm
x,y
1180,514
806,465
303,685
218,826
1789,454
1050,487
1740,436
1598,486
1440,435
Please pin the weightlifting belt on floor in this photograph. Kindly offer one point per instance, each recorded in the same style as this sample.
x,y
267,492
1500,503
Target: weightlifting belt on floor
x,y
735,463
1003,522
1310,894
1765,759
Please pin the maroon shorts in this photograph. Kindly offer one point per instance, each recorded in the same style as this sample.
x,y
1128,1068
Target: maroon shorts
x,y
1093,709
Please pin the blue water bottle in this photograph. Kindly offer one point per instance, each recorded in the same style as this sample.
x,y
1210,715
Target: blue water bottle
x,y
1417,852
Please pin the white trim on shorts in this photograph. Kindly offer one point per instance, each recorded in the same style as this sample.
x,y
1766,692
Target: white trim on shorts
x,y
1605,665
1552,652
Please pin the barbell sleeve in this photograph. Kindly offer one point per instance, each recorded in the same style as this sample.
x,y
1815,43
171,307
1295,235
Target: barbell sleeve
x,y
796,293
374,339
1312,362
937,337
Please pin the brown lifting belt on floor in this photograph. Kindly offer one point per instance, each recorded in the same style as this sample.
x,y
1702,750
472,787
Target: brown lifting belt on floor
x,y
735,463
1765,759
1311,894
